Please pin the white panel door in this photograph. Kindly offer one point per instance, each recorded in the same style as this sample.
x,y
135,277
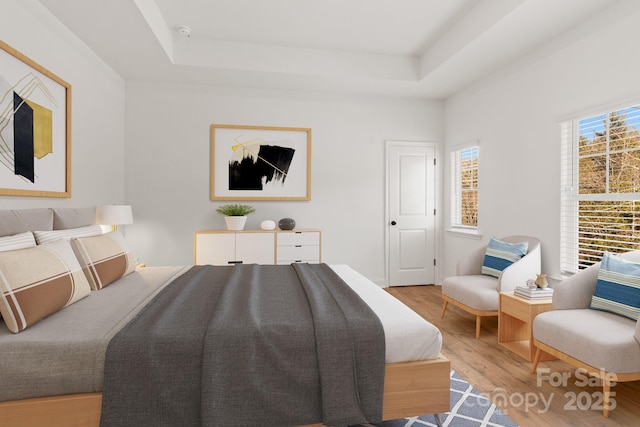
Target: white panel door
x,y
411,213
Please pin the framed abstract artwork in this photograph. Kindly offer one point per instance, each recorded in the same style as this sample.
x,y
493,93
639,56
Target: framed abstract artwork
x,y
260,163
35,128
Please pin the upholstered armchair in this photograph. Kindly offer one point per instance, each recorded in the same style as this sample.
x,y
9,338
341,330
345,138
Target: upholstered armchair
x,y
603,343
477,293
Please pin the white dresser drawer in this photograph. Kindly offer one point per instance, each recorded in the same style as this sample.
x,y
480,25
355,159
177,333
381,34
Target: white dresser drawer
x,y
298,238
297,261
298,252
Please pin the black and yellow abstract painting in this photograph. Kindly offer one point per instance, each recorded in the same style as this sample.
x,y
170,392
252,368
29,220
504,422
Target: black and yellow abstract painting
x,y
34,128
260,163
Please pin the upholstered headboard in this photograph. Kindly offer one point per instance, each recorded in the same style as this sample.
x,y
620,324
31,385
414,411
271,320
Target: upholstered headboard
x,y
43,219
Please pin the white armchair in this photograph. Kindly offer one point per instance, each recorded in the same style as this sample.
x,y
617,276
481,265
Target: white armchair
x,y
604,344
476,293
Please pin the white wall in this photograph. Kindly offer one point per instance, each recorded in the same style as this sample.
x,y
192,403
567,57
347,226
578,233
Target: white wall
x,y
97,104
164,172
167,165
514,115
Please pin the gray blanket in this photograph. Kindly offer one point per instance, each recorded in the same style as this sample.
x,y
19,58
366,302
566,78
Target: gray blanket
x,y
248,345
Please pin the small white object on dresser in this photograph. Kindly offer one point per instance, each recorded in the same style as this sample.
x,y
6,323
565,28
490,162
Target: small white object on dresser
x,y
223,247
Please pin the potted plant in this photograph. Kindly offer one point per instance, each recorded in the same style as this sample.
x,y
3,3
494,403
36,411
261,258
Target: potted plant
x,y
235,215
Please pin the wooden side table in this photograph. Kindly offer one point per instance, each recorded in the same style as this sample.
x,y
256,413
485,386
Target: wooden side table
x,y
515,324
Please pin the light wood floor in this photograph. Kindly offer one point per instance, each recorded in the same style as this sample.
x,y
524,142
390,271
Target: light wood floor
x,y
497,372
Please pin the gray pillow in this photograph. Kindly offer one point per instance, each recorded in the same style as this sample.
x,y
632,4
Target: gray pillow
x,y
64,218
21,220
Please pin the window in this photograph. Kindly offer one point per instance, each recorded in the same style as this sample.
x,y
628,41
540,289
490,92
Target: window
x,y
464,189
600,188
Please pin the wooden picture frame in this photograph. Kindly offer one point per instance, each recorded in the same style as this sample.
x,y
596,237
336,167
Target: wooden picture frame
x,y
35,128
260,163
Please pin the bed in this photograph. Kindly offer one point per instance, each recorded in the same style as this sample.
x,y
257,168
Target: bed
x,y
67,389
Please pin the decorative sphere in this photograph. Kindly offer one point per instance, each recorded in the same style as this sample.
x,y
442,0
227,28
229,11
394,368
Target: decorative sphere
x,y
286,224
267,224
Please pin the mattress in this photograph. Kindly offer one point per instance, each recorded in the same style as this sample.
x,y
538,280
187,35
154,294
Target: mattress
x,y
64,353
408,336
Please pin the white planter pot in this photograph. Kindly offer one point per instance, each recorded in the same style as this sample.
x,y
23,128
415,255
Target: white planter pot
x,y
235,222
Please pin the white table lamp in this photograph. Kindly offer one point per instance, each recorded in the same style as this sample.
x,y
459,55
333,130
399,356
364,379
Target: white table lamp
x,y
114,215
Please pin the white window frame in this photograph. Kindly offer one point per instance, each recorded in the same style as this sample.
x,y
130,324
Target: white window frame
x,y
456,189
569,197
569,188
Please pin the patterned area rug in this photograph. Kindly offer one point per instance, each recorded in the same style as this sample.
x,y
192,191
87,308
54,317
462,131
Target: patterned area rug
x,y
469,408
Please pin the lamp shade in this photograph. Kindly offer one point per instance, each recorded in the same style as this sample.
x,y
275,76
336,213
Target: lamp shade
x,y
114,215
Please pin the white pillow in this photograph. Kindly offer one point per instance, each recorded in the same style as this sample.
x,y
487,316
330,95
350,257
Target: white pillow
x,y
17,241
53,235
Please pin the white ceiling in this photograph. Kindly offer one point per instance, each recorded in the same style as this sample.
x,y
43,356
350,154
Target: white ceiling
x,y
410,48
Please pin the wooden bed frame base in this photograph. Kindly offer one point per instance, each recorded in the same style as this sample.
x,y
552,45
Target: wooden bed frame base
x,y
605,376
410,389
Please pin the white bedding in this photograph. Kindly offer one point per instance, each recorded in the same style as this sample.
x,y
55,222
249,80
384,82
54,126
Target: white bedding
x,y
74,340
408,336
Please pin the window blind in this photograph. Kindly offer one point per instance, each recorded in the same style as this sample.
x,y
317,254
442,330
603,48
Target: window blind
x,y
464,187
600,187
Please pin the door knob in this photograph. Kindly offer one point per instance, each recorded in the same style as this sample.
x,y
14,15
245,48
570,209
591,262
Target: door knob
x,y
393,223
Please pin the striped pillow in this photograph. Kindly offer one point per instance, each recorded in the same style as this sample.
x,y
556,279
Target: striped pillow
x,y
104,258
618,287
53,235
37,282
17,241
500,255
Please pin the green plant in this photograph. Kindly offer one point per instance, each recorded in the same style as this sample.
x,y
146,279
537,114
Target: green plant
x,y
235,210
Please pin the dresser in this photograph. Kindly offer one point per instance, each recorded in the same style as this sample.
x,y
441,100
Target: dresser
x,y
223,247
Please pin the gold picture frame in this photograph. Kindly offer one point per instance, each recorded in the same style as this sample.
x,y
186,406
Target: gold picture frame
x,y
35,128
260,163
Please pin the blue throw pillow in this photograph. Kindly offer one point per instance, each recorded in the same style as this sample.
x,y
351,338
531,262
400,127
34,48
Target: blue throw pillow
x,y
618,287
500,255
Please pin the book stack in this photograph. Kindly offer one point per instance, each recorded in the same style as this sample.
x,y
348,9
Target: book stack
x,y
533,293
